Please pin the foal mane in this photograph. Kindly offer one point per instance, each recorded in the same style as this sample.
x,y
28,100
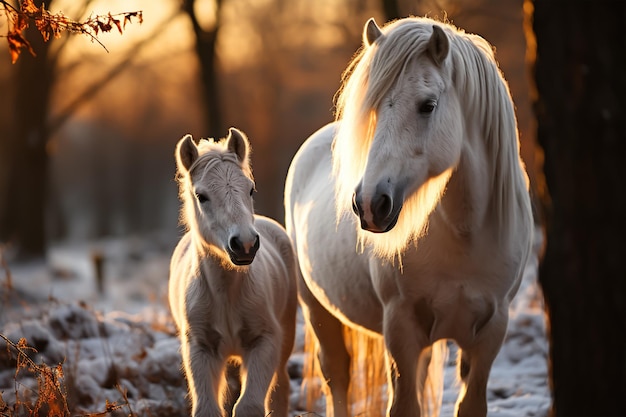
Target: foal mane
x,y
485,101
210,153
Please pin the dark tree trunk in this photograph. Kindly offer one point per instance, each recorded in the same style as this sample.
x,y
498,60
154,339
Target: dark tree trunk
x,y
391,9
206,51
22,207
581,114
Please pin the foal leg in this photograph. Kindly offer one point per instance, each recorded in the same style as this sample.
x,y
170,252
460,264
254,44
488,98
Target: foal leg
x,y
233,386
258,367
475,364
204,374
333,356
277,402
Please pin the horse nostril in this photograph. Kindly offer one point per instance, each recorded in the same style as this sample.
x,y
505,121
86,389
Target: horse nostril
x,y
355,206
257,244
382,206
235,244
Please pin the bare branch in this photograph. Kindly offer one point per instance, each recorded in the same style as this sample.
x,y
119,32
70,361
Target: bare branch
x,y
95,87
52,25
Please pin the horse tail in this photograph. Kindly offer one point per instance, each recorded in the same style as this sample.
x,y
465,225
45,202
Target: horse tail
x,y
369,385
367,371
312,378
430,374
368,376
370,388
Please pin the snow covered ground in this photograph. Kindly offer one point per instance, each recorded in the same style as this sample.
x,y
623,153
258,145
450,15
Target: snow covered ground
x,y
119,345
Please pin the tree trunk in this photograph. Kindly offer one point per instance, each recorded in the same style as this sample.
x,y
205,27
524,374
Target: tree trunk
x,y
581,121
391,9
22,207
206,51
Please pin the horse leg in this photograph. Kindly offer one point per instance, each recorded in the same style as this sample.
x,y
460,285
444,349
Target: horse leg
x,y
475,365
204,373
333,356
404,343
259,363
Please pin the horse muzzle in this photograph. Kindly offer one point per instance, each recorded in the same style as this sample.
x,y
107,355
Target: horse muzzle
x,y
383,210
242,253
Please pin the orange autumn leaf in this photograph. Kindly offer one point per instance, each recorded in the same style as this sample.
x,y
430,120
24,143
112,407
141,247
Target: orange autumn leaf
x,y
52,25
16,43
116,22
29,7
21,23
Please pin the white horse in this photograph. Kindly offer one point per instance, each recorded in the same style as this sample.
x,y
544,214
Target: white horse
x,y
425,152
232,286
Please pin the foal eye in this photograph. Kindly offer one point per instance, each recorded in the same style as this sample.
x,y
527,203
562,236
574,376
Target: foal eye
x,y
202,198
252,191
427,107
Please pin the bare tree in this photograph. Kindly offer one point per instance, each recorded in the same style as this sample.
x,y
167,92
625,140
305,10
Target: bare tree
x,y
581,116
391,9
206,42
23,153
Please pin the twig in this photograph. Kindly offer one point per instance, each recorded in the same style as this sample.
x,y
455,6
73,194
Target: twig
x,y
98,85
53,24
19,350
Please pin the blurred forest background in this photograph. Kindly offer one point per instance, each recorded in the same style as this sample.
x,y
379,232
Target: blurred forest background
x,y
87,137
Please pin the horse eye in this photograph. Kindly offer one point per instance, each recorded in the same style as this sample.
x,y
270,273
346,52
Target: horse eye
x,y
252,190
427,107
202,198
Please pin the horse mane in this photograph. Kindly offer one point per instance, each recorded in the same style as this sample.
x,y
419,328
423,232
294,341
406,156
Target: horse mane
x,y
487,90
484,97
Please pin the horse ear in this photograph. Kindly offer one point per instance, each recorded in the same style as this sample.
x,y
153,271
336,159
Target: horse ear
x,y
237,142
438,45
186,153
371,32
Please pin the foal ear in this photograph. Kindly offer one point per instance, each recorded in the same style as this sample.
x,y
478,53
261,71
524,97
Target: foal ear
x,y
237,142
186,153
371,32
438,45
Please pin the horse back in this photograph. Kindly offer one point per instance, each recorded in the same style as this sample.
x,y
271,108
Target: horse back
x,y
310,167
325,247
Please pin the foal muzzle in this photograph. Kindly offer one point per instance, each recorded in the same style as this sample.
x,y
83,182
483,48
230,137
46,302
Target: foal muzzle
x,y
243,253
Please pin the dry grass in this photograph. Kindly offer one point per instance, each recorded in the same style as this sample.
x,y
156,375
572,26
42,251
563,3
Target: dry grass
x,y
41,389
50,396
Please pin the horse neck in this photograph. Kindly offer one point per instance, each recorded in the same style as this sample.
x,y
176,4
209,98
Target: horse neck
x,y
202,251
464,204
220,276
487,189
206,254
